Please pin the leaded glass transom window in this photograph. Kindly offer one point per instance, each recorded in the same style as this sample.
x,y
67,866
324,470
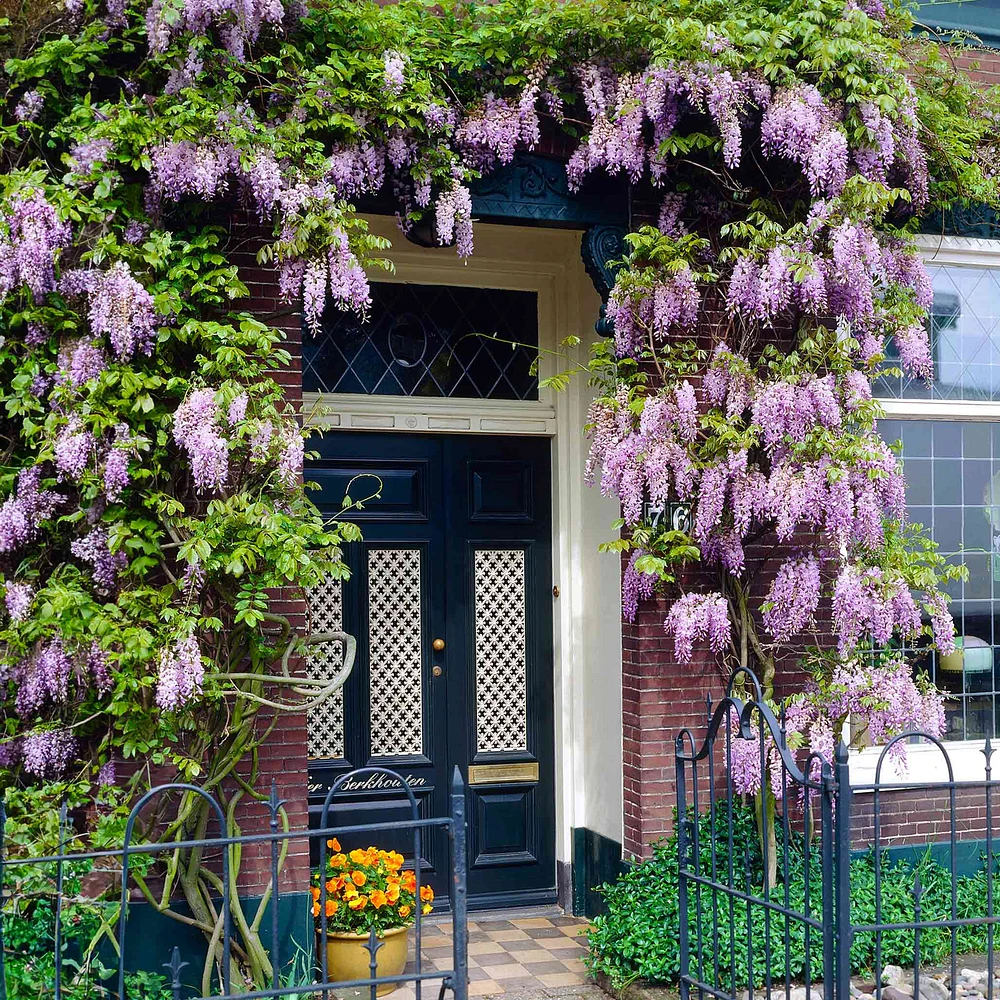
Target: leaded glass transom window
x,y
965,338
436,341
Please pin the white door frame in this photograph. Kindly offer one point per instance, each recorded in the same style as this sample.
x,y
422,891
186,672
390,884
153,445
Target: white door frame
x,y
586,621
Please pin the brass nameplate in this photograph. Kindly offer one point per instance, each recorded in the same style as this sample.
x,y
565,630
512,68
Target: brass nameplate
x,y
490,774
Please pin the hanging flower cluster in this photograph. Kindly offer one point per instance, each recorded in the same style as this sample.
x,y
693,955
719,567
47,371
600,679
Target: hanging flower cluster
x,y
180,674
208,433
883,701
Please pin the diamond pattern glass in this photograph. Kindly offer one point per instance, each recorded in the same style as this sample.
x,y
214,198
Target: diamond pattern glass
x,y
434,341
326,722
395,641
965,339
953,488
501,647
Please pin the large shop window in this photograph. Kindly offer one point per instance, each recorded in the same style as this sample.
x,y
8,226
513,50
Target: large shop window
x,y
439,341
952,468
953,488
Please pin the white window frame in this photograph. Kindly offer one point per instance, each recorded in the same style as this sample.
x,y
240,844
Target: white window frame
x,y
925,761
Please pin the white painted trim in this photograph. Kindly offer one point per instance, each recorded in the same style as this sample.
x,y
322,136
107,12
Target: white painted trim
x,y
941,409
959,250
926,764
416,414
587,647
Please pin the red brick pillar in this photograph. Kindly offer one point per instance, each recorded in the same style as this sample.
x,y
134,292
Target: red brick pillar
x,y
660,697
283,758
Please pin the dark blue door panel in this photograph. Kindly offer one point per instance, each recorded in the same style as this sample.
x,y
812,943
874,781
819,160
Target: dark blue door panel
x,y
457,548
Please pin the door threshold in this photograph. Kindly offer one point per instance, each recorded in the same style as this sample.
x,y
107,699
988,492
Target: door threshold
x,y
517,913
508,913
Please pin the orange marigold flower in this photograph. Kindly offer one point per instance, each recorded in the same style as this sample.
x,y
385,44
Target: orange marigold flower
x,y
333,844
315,892
338,861
426,893
331,907
350,892
358,904
392,892
359,878
410,881
404,910
335,885
378,899
427,908
315,909
357,856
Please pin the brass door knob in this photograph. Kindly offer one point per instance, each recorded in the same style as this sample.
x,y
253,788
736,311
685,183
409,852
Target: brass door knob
x,y
438,645
436,671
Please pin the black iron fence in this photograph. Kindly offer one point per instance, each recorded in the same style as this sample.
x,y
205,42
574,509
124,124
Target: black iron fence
x,y
165,977
823,889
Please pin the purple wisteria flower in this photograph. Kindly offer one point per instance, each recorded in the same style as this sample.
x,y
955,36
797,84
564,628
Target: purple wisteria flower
x,y
97,668
180,674
74,447
291,457
24,510
394,78
122,309
29,107
793,598
42,677
28,251
197,431
106,565
116,464
18,597
239,22
453,219
696,617
86,157
183,167
636,587
46,753
237,411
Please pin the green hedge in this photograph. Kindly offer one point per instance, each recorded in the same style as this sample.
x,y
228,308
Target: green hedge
x,y
638,936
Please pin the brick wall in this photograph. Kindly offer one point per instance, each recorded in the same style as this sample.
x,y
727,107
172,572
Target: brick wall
x,y
921,816
660,697
283,758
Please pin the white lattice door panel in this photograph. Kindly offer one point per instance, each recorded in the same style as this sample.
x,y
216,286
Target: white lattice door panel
x,y
501,650
395,651
326,723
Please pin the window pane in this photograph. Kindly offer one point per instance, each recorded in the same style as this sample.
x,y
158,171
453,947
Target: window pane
x,y
428,340
953,489
965,338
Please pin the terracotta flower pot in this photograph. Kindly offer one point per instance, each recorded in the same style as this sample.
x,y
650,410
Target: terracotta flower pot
x,y
348,957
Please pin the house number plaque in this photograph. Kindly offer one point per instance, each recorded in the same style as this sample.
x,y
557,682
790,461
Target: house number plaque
x,y
492,774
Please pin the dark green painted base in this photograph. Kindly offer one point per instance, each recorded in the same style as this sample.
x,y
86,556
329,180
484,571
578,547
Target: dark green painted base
x,y
596,860
150,938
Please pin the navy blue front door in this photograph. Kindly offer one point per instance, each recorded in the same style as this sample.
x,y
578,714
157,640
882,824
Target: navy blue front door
x,y
450,598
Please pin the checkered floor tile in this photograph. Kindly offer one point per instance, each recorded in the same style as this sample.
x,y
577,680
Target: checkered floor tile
x,y
524,956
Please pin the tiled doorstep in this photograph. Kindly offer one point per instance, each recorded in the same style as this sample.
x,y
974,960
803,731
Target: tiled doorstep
x,y
521,957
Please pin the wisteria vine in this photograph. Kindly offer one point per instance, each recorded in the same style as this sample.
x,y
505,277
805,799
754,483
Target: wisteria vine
x,y
151,482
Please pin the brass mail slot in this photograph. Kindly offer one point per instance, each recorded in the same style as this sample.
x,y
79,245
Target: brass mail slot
x,y
490,774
